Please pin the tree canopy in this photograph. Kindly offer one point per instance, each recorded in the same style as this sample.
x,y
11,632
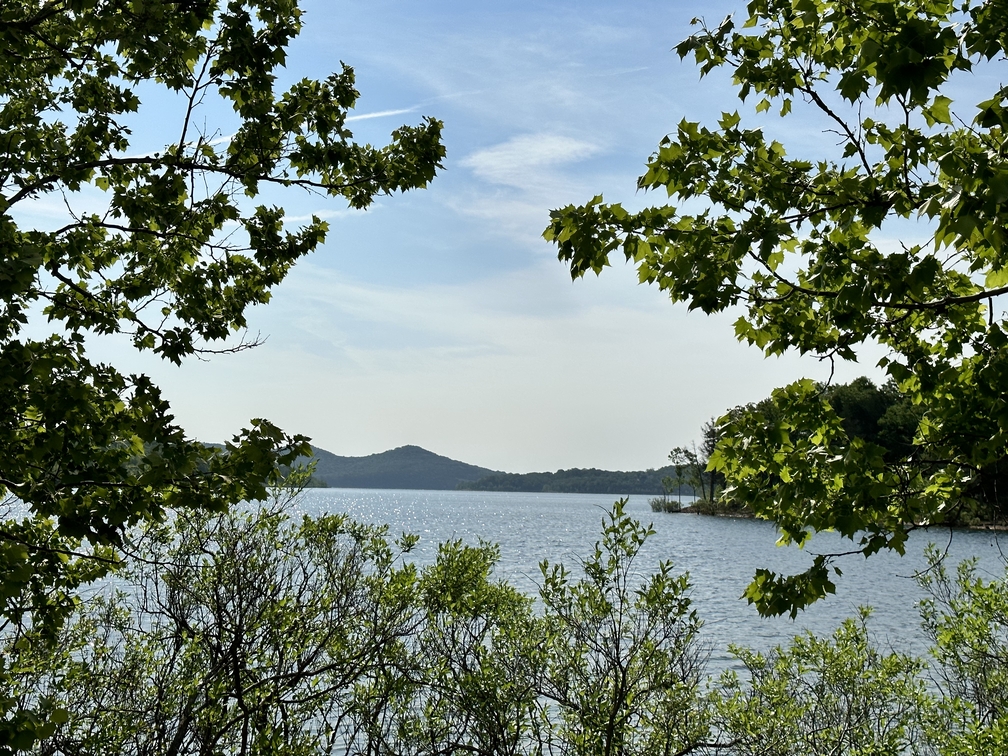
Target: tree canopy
x,y
797,245
178,251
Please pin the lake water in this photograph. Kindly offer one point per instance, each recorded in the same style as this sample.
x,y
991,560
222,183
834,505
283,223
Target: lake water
x,y
720,555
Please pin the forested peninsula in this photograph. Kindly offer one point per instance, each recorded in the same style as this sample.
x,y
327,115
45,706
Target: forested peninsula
x,y
577,480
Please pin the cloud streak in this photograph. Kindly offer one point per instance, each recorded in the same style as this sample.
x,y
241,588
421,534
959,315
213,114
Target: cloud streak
x,y
516,161
381,114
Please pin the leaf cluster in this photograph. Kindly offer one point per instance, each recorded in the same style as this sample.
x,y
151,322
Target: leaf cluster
x,y
165,249
797,245
251,632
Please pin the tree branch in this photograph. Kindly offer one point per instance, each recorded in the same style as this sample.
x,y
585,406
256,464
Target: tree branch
x,y
818,100
186,165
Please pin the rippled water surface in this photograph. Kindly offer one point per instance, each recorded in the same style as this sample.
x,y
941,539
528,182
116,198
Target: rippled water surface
x,y
720,554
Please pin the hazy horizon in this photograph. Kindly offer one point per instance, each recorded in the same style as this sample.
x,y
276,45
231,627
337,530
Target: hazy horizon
x,y
434,451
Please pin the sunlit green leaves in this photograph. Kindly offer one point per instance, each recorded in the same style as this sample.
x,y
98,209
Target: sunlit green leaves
x,y
965,619
834,695
624,664
173,261
249,631
258,633
797,246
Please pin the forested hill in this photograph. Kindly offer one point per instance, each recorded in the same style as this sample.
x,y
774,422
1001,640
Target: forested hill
x,y
577,481
417,468
405,467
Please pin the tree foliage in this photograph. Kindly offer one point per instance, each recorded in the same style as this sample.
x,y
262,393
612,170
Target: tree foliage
x,y
576,480
691,463
838,695
258,632
177,251
234,633
966,619
797,244
625,665
253,633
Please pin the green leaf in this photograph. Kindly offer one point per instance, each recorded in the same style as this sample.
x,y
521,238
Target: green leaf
x,y
938,111
995,279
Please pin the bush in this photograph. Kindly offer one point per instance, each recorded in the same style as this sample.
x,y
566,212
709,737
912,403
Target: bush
x,y
664,504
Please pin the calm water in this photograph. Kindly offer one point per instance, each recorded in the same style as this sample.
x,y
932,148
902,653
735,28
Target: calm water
x,y
721,555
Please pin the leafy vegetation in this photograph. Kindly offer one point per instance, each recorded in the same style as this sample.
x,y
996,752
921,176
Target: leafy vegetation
x,y
967,622
839,695
247,632
178,251
666,502
692,465
796,243
877,415
226,627
253,633
880,416
625,664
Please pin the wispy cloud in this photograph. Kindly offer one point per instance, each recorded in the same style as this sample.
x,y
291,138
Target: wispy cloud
x,y
381,114
520,179
512,162
622,72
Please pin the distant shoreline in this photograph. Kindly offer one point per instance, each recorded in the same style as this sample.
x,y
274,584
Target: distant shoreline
x,y
577,480
741,514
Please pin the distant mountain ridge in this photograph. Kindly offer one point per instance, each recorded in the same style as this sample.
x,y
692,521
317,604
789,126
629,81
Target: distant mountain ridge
x,y
409,467
412,467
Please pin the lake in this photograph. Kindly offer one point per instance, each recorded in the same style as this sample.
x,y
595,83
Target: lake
x,y
720,555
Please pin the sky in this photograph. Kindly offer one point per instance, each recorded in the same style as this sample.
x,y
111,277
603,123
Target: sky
x,y
440,317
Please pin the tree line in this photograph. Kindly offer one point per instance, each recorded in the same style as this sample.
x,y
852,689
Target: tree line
x,y
879,418
575,480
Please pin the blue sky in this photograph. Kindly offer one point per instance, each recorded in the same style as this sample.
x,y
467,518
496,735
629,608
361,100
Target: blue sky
x,y
441,318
